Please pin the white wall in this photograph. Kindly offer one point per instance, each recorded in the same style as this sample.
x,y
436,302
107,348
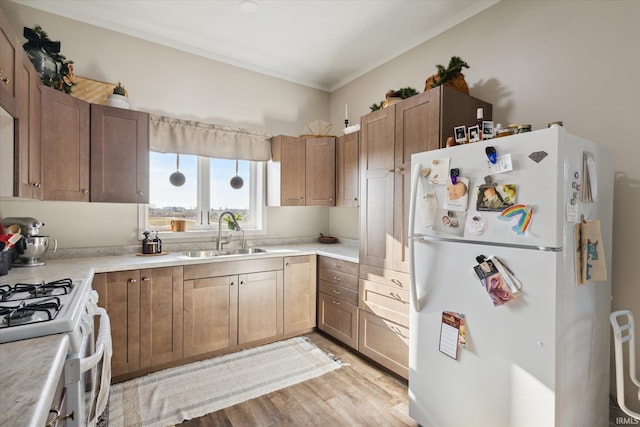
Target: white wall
x,y
542,61
166,81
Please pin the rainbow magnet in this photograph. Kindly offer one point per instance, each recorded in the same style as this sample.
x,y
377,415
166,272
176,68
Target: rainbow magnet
x,y
525,214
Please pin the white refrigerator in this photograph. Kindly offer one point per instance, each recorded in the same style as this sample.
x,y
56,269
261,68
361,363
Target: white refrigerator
x,y
541,358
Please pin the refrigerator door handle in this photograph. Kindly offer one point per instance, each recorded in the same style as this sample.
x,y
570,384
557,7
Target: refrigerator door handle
x,y
415,175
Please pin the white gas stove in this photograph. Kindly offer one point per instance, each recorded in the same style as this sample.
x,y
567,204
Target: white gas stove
x,y
30,310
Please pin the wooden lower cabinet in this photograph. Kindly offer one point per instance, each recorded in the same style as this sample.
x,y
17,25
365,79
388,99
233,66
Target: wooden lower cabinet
x,y
260,306
119,294
299,293
385,342
338,299
338,318
145,309
210,314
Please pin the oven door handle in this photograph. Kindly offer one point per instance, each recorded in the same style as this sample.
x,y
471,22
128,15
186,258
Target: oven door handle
x,y
103,353
103,342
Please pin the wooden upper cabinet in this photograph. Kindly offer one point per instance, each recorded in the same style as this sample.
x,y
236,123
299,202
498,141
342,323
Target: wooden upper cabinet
x,y
320,171
286,172
27,179
119,155
10,61
377,133
301,172
347,158
388,138
65,147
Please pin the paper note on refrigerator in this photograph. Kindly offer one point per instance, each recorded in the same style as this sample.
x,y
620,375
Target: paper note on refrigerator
x,y
449,333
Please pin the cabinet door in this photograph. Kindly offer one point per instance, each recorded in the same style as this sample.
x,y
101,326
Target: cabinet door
x,y
260,312
10,60
65,147
119,155
417,129
161,314
338,318
27,179
385,342
119,294
210,314
377,183
292,178
320,160
299,293
347,152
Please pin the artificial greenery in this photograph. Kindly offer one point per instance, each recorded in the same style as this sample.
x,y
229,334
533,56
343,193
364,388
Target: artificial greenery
x,y
456,64
119,90
375,106
404,93
62,77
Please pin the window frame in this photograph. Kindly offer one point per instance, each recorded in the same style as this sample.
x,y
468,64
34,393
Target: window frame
x,y
206,230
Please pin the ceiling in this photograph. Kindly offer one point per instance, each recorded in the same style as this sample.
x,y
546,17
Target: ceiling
x,y
322,44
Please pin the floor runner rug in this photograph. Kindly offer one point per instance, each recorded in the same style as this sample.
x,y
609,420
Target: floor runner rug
x,y
171,396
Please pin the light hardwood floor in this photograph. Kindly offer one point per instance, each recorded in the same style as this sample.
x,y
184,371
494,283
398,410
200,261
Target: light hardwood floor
x,y
358,394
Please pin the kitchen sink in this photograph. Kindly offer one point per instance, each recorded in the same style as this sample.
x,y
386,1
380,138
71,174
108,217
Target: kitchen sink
x,y
223,252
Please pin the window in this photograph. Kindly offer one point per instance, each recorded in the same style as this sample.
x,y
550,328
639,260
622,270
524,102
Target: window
x,y
206,193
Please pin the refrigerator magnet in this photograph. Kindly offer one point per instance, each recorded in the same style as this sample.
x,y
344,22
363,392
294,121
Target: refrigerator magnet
x,y
495,197
524,215
439,171
449,222
450,334
457,195
502,164
476,224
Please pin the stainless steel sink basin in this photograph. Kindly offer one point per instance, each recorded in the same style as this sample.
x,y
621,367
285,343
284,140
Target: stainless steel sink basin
x,y
223,252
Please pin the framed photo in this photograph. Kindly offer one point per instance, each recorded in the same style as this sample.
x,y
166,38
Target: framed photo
x,y
474,134
487,129
495,197
461,134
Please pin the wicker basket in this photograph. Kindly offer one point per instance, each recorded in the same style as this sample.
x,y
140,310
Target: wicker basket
x,y
92,91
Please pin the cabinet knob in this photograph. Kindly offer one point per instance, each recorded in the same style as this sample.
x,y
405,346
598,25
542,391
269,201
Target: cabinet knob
x,y
301,197
140,193
85,191
131,281
388,171
336,292
399,169
335,302
242,282
355,198
232,283
337,279
331,199
146,279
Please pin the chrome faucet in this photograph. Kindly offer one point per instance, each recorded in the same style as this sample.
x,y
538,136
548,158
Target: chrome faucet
x,y
235,223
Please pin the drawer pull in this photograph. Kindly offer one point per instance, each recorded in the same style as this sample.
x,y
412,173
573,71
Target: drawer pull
x,y
338,265
395,329
335,302
337,279
397,282
395,296
336,292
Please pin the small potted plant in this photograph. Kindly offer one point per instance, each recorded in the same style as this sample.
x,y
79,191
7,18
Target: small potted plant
x,y
230,224
119,97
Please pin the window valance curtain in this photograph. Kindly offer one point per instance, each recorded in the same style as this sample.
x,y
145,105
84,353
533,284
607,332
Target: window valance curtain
x,y
169,135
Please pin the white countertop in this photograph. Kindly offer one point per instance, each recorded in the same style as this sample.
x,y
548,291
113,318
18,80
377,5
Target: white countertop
x,y
29,375
28,388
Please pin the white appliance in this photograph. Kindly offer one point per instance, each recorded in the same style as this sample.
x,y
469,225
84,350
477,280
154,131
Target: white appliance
x,y
30,310
541,359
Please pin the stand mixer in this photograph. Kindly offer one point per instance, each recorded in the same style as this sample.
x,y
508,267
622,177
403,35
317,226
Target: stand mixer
x,y
32,246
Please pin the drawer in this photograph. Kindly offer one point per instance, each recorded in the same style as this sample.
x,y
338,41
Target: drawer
x,y
339,292
339,319
385,301
384,342
338,265
386,277
338,278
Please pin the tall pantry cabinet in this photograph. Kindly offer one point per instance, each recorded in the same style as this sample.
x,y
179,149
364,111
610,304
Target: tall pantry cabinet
x,y
388,138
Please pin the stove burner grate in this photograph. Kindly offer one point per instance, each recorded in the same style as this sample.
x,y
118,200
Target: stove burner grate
x,y
40,311
24,291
